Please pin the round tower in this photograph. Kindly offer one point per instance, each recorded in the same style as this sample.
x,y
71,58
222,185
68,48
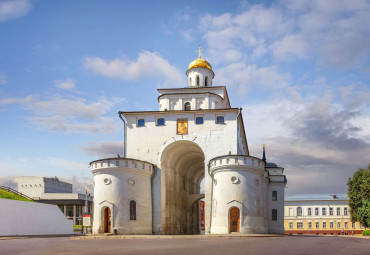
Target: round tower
x,y
200,73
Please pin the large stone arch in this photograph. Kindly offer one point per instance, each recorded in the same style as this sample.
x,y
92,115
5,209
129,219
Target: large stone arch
x,y
182,166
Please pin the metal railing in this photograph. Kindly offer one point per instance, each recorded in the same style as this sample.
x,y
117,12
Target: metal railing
x,y
16,192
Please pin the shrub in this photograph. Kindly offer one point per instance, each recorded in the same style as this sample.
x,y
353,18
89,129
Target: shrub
x,y
366,233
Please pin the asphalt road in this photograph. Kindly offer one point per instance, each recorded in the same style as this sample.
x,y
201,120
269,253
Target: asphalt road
x,y
204,245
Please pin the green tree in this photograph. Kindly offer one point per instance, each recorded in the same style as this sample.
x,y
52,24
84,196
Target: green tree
x,y
359,196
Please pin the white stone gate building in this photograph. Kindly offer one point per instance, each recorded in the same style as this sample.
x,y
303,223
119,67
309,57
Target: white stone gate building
x,y
195,135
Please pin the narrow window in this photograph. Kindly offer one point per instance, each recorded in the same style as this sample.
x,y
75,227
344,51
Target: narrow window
x,y
220,120
338,211
299,224
317,225
309,212
345,212
141,123
299,211
199,120
160,122
323,211
274,214
291,224
346,224
274,195
331,211
331,224
132,210
316,211
309,224
197,80
353,224
187,106
338,224
108,163
324,224
206,81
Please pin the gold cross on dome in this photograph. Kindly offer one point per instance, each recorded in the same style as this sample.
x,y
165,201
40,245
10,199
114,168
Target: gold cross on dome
x,y
199,51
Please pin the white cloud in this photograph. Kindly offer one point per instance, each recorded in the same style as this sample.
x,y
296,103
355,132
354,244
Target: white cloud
x,y
106,149
314,137
290,47
147,65
67,84
244,77
76,115
13,9
3,78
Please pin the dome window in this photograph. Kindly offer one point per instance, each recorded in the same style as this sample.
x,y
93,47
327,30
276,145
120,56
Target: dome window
x,y
206,81
187,106
197,80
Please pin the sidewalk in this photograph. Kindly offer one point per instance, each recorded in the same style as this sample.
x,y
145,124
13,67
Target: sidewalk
x,y
112,236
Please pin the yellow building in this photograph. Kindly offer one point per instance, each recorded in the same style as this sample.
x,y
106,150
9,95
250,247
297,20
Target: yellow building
x,y
319,214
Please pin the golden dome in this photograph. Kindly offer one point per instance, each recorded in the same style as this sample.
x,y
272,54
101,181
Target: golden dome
x,y
200,63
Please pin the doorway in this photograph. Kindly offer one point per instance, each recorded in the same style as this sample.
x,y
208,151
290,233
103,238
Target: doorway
x,y
234,219
107,221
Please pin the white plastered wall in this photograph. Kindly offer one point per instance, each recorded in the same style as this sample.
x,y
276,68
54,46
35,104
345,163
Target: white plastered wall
x,y
31,218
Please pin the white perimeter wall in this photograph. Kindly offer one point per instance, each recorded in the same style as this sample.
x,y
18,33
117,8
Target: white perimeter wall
x,y
31,218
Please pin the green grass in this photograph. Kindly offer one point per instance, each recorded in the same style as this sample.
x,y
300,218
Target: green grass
x,y
9,195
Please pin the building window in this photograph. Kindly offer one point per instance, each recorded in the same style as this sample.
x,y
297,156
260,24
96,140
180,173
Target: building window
x,y
220,120
317,224
199,120
117,163
346,224
338,224
345,211
160,122
299,224
309,224
197,80
141,123
108,163
323,211
331,224
274,214
338,210
309,211
187,106
324,224
331,211
291,224
316,211
274,195
299,211
132,210
206,81
353,224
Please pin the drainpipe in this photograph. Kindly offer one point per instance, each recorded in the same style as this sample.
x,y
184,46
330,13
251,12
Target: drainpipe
x,y
210,220
124,133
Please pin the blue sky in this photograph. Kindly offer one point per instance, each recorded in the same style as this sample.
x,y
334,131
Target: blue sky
x,y
299,69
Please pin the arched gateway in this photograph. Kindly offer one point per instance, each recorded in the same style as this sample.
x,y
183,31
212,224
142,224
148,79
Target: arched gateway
x,y
154,186
182,169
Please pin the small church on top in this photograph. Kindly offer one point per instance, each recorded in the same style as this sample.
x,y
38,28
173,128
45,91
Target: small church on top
x,y
194,137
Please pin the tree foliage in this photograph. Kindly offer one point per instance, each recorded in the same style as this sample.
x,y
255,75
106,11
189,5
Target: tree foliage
x,y
359,196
